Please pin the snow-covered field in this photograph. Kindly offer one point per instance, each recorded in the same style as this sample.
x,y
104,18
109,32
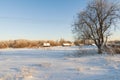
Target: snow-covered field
x,y
57,63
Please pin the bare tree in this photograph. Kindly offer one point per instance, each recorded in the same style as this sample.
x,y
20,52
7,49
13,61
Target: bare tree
x,y
96,20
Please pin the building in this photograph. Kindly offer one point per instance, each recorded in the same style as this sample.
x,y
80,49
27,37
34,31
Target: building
x,y
46,44
66,44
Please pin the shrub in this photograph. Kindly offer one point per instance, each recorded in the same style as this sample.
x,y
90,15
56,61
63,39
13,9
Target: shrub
x,y
3,44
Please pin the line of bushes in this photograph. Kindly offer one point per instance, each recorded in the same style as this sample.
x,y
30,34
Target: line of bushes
x,y
21,43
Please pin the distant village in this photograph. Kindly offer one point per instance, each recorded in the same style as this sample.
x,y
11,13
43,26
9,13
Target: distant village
x,y
22,43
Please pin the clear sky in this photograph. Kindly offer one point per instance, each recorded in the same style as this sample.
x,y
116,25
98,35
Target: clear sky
x,y
38,19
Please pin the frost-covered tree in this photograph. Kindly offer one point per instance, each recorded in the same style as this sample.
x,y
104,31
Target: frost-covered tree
x,y
96,20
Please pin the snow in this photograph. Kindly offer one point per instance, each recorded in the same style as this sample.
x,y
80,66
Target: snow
x,y
58,63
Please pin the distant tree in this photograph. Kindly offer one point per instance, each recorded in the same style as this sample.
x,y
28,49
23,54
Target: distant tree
x,y
34,44
3,44
20,43
62,41
78,42
53,43
10,43
96,20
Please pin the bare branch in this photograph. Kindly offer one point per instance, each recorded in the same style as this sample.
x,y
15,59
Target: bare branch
x,y
96,20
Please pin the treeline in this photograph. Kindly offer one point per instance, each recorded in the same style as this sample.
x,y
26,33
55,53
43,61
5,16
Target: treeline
x,y
21,43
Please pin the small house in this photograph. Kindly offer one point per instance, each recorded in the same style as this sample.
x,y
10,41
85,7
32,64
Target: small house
x,y
66,44
46,44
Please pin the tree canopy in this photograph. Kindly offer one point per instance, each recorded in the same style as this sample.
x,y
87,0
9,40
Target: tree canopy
x,y
96,20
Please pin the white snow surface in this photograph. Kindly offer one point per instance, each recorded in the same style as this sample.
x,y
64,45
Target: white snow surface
x,y
58,63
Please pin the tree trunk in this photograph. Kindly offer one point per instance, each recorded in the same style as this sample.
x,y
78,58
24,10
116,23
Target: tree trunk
x,y
99,50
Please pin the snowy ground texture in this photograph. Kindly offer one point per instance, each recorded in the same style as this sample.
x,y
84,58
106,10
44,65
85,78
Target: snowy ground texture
x,y
58,63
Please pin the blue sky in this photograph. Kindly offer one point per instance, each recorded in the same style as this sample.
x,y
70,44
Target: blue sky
x,y
38,19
